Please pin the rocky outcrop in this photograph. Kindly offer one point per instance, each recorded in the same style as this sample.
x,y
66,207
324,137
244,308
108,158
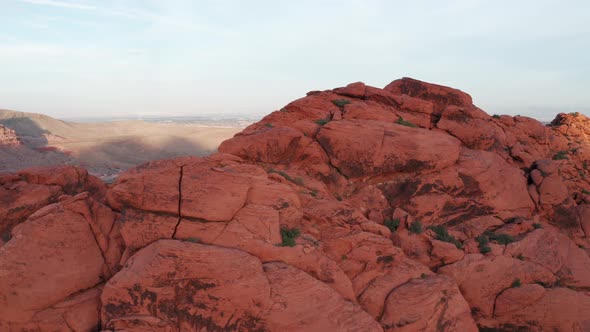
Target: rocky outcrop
x,y
8,136
353,209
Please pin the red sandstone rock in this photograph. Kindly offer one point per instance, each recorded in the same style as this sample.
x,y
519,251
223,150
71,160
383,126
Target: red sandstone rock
x,y
58,251
203,243
432,303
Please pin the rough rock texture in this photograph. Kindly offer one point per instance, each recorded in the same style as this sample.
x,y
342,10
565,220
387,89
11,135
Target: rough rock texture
x,y
8,136
406,208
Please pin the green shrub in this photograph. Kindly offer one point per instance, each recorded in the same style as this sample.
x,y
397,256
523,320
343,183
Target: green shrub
x,y
495,116
537,225
344,257
392,224
341,102
385,259
289,235
485,249
269,125
483,242
193,240
500,238
443,235
298,181
423,276
322,122
520,256
314,193
516,283
560,155
416,227
587,192
403,122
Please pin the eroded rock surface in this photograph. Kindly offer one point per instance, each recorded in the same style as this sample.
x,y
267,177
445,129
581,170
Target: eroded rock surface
x,y
406,208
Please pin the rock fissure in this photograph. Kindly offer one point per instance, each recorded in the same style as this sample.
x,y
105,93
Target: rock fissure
x,y
181,173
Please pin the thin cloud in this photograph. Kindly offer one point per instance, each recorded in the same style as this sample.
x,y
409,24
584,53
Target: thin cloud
x,y
127,13
61,4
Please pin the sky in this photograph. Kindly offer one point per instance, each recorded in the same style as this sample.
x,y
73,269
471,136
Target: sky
x,y
108,58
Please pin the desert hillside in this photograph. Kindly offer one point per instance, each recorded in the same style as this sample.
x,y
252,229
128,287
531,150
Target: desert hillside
x,y
405,208
105,148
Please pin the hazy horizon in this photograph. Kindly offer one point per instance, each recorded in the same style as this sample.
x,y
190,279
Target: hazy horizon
x,y
90,59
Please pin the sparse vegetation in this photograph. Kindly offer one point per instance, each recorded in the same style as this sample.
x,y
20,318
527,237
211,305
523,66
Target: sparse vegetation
x,y
344,257
443,235
298,181
322,122
495,116
193,240
289,235
585,191
423,276
483,242
537,225
268,124
341,102
403,122
500,238
516,283
416,227
392,224
385,259
560,155
314,193
284,109
339,198
485,249
520,257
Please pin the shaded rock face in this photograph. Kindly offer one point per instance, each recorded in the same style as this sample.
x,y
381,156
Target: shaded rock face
x,y
8,136
355,209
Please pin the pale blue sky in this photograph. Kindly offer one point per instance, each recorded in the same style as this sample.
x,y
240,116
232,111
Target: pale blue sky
x,y
106,58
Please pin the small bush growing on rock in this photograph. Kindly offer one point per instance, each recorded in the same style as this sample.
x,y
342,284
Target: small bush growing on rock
x,y
516,283
483,242
341,102
416,227
423,276
314,193
193,240
322,122
385,259
403,122
495,116
298,181
392,224
585,191
561,155
500,238
537,225
443,235
289,235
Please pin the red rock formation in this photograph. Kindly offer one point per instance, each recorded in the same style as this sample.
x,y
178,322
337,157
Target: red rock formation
x,y
8,136
356,209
